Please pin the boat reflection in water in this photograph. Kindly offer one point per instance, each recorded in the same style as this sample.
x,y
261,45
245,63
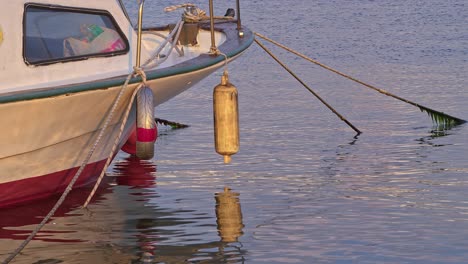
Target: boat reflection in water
x,y
130,220
16,222
135,173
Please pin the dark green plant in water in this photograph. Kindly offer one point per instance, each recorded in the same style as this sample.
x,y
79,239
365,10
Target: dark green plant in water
x,y
173,125
442,121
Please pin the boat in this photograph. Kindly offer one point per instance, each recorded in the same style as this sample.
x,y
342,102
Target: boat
x,y
70,72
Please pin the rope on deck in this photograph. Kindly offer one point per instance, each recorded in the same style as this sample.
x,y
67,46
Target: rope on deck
x,y
194,14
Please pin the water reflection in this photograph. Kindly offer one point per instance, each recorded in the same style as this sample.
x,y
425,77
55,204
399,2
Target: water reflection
x,y
164,232
134,172
228,215
140,177
16,222
440,130
152,232
130,220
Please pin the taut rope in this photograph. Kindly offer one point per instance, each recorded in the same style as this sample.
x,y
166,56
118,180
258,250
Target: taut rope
x,y
191,14
437,117
141,73
307,87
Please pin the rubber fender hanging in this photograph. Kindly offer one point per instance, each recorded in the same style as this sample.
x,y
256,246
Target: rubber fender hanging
x,y
146,129
226,118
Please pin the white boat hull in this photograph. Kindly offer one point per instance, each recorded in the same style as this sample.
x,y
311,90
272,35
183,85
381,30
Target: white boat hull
x,y
54,135
54,103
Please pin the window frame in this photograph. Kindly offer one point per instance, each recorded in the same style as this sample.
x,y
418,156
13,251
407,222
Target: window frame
x,y
80,11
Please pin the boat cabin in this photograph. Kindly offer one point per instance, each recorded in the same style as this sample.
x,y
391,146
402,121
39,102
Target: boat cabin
x,y
54,42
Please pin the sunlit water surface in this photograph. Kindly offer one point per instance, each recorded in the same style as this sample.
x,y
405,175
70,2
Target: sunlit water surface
x,y
304,188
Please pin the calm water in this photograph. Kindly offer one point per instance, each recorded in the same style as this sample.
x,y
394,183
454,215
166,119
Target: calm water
x,y
304,188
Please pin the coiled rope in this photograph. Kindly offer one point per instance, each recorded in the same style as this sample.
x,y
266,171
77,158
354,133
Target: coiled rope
x,y
193,14
175,7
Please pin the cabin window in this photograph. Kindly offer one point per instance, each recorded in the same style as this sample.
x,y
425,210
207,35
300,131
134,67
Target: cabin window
x,y
55,34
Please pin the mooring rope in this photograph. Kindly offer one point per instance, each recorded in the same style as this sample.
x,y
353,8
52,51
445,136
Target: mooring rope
x,y
139,71
80,170
116,141
193,14
437,117
307,87
188,16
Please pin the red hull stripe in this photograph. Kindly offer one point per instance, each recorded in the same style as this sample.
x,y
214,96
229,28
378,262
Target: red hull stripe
x,y
146,134
22,191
